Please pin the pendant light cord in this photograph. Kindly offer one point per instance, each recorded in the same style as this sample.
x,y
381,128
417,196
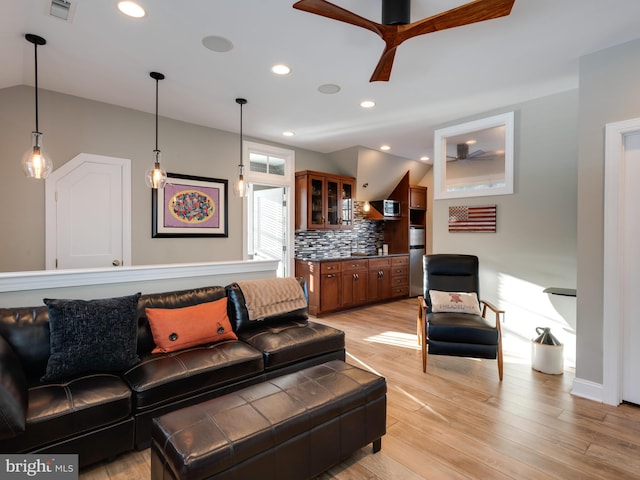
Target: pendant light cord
x,y
35,54
157,114
241,134
157,77
241,102
36,40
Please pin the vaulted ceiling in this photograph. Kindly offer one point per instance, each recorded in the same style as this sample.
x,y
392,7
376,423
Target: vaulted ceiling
x,y
101,54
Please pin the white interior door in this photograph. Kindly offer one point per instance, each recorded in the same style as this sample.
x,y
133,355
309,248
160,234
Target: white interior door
x,y
631,273
88,213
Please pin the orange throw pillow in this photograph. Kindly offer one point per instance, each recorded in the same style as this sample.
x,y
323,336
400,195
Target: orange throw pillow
x,y
175,329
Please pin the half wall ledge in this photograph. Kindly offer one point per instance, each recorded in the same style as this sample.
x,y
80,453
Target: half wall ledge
x,y
29,288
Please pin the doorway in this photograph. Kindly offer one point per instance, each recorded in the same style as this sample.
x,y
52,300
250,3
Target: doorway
x,y
621,322
268,224
268,210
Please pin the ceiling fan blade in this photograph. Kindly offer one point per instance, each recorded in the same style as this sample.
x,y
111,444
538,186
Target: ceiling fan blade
x,y
382,72
394,35
477,153
329,10
472,12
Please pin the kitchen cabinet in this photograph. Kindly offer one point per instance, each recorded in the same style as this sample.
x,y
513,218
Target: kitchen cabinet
x,y
324,284
418,197
417,206
379,279
354,283
330,287
323,201
345,283
399,276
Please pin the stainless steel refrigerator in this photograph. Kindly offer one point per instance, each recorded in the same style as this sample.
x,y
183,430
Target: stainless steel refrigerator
x,y
416,252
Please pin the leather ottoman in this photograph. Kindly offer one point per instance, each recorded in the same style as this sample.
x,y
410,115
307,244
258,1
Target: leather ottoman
x,y
291,427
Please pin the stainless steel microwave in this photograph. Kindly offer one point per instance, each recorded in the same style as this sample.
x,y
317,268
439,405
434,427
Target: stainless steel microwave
x,y
388,208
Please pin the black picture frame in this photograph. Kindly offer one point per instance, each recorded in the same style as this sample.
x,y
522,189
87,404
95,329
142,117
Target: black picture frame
x,y
190,206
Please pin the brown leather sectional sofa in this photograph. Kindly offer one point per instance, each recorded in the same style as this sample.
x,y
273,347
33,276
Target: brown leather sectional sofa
x,y
99,415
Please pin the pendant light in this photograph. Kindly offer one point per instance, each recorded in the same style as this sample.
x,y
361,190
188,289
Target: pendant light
x,y
240,185
35,163
156,177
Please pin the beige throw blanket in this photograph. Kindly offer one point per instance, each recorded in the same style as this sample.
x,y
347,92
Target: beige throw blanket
x,y
272,296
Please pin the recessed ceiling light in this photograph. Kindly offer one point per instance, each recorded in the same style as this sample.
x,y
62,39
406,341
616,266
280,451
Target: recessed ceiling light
x,y
424,159
217,44
131,9
385,147
470,142
281,69
288,133
329,88
367,104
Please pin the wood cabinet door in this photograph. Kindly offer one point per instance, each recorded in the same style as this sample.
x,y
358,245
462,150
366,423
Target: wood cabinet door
x,y
347,189
332,204
354,288
379,283
316,213
330,292
418,198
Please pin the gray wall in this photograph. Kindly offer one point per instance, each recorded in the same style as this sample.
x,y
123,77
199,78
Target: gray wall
x,y
72,125
535,243
609,92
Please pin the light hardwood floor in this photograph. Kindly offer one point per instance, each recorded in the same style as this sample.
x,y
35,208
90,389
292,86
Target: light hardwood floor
x,y
458,421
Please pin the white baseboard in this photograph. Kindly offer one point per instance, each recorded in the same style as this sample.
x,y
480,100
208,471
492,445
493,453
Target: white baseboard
x,y
588,389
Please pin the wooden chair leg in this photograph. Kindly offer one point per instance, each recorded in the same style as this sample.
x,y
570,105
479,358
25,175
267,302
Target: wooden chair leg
x,y
419,321
422,331
500,362
424,346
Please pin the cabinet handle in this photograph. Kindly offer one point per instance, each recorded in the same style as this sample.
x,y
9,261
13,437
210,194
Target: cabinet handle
x,y
330,268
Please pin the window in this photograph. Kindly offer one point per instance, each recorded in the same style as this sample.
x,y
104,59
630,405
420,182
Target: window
x,y
264,163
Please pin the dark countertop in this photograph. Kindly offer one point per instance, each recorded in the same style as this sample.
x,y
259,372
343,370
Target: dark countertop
x,y
349,257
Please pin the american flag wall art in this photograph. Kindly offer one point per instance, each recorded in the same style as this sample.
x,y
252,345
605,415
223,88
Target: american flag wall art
x,y
481,218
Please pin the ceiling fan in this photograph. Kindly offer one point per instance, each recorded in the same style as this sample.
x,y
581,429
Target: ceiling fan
x,y
395,27
464,154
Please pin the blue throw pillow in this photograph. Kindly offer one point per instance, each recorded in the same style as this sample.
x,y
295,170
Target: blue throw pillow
x,y
91,335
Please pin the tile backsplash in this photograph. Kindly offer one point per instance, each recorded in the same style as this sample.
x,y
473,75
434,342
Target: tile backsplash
x,y
365,236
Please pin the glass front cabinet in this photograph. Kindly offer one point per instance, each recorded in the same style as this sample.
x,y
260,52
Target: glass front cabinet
x,y
324,201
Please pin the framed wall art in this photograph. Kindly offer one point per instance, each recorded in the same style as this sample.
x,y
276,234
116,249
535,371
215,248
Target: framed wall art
x,y
472,218
190,206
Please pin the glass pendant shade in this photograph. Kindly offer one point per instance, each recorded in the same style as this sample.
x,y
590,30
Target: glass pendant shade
x,y
156,177
240,185
35,162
